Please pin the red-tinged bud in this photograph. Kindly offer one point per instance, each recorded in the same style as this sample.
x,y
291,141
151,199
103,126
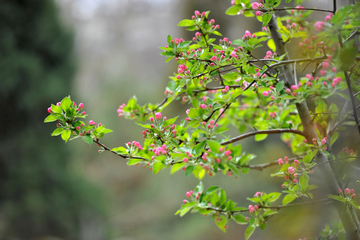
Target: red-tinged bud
x,y
49,110
185,160
83,113
81,134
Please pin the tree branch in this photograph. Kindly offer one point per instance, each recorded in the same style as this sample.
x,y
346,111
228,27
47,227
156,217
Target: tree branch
x,y
352,229
271,131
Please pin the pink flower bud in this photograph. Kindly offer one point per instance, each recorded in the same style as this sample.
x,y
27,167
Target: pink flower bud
x,y
291,170
81,105
265,93
255,5
185,160
347,191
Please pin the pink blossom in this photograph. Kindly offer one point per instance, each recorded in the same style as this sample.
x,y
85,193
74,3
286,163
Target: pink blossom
x,y
203,106
319,26
258,13
291,170
280,161
158,115
347,191
92,123
227,152
325,65
49,110
255,5
185,160
265,93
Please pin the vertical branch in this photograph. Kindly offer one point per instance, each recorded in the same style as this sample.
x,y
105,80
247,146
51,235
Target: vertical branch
x,y
350,224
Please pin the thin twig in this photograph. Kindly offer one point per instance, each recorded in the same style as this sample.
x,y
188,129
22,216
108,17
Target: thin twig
x,y
271,131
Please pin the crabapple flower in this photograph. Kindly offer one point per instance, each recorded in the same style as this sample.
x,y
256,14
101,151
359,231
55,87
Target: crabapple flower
x,y
319,26
291,170
255,5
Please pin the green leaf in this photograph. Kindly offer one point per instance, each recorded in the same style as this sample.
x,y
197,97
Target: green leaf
x,y
233,10
211,190
280,86
65,135
157,167
272,197
189,170
239,42
266,19
133,161
239,219
338,198
177,167
50,118
193,113
214,145
57,132
186,23
304,181
309,156
333,138
262,226
271,45
249,231
260,137
87,139
347,57
288,198
170,121
355,204
65,103
197,149
233,167
222,196
120,150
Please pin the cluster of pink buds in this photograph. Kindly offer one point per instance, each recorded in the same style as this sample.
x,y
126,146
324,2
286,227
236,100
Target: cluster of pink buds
x,y
198,14
319,26
225,42
121,109
135,145
281,161
248,35
183,69
348,151
322,143
258,194
253,209
159,150
234,53
328,17
270,54
92,123
266,93
176,41
211,124
348,192
188,194
225,90
212,24
298,9
335,81
272,114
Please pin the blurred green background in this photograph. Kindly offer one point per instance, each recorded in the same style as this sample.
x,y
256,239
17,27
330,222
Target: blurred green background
x,y
102,52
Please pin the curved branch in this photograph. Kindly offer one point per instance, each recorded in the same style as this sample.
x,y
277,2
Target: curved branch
x,y
271,131
114,152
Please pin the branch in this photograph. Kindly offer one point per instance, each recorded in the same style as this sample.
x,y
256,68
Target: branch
x,y
350,225
271,131
118,154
